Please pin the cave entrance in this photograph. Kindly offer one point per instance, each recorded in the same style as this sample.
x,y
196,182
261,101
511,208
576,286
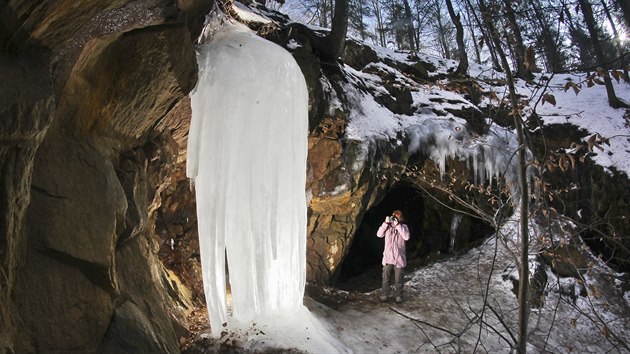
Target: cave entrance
x,y
436,232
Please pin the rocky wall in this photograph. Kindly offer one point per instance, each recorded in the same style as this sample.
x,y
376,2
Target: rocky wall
x,y
84,88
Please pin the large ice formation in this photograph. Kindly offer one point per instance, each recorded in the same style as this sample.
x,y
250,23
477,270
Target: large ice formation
x,y
247,155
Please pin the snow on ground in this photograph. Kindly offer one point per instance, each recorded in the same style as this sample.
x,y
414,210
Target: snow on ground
x,y
445,301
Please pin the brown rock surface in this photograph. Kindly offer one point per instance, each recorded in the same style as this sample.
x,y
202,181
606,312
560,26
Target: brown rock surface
x,y
26,105
102,76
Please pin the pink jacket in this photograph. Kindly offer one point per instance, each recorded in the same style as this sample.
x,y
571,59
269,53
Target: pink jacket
x,y
395,237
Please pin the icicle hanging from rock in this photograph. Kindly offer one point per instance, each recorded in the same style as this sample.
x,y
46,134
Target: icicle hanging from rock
x,y
247,155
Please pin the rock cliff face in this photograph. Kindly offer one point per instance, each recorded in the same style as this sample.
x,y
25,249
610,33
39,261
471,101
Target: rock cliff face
x,y
94,200
84,87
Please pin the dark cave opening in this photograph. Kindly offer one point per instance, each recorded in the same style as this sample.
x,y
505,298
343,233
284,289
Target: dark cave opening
x,y
611,252
436,232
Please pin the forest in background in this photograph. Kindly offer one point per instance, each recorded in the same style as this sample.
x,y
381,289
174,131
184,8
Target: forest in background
x,y
556,35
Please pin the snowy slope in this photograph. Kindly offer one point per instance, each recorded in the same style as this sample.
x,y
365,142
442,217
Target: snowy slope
x,y
446,298
586,110
443,311
589,110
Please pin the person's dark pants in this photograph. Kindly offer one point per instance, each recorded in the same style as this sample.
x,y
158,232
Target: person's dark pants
x,y
398,278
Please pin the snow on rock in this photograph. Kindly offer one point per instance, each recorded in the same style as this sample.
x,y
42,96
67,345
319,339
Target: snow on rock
x,y
432,130
247,155
589,110
432,123
249,15
293,44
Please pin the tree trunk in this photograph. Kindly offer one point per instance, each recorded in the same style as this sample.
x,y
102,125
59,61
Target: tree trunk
x,y
336,39
583,46
473,36
519,48
613,26
489,41
441,32
523,289
550,43
493,52
462,68
589,19
379,22
362,19
409,24
417,29
323,14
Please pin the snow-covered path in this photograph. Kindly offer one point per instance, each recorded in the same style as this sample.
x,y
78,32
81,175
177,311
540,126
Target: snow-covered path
x,y
450,294
446,298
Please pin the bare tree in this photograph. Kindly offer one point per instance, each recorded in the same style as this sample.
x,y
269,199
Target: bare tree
x,y
399,22
462,68
408,18
546,36
380,24
523,290
473,36
589,19
625,8
617,41
442,31
357,18
422,17
485,38
337,37
519,47
323,13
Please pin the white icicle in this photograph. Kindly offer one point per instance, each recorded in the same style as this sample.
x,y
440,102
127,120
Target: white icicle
x,y
247,154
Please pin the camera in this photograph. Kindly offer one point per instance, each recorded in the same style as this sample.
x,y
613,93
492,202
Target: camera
x,y
391,219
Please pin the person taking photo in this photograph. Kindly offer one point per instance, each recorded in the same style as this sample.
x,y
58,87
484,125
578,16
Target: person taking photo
x,y
396,233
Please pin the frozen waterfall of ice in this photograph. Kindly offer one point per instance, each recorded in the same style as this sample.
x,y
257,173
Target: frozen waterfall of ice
x,y
493,155
247,155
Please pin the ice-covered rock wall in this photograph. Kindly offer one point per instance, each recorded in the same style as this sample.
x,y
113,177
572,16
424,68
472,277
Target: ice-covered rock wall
x,y
493,155
247,154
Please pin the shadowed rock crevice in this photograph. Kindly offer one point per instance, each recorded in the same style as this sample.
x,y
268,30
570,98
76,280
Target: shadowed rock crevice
x,y
97,275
